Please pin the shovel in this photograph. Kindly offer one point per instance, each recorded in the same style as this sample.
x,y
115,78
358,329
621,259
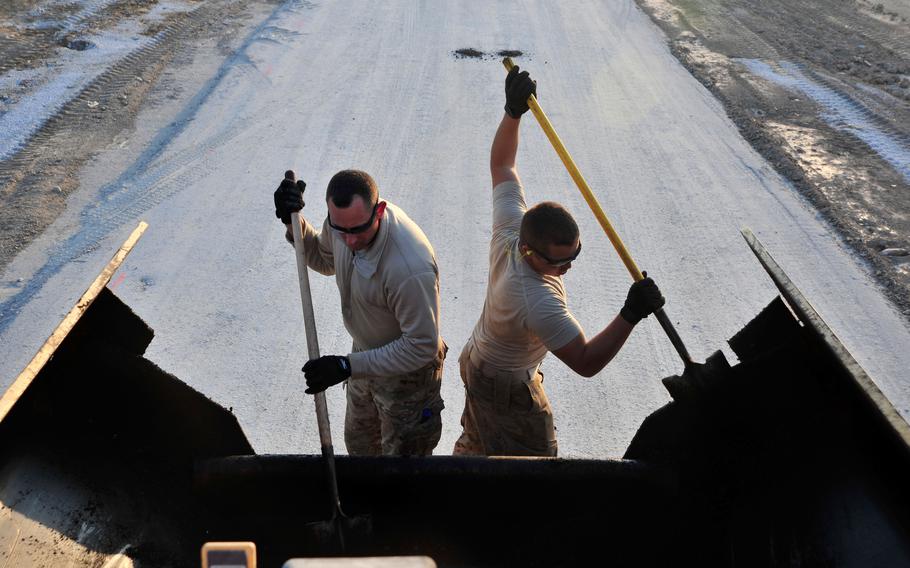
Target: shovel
x,y
340,527
695,376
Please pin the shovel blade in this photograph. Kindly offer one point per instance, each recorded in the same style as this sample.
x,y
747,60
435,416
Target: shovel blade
x,y
340,534
698,378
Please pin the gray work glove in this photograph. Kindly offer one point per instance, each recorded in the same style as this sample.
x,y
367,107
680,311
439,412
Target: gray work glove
x,y
643,299
289,197
519,87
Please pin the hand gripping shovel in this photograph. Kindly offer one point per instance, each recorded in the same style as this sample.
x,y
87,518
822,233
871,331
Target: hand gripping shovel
x,y
340,527
697,374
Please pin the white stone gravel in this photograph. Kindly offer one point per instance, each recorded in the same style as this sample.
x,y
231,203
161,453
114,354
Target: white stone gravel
x,y
375,86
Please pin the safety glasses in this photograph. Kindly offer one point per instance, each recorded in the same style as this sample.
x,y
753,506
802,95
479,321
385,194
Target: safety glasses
x,y
558,262
359,228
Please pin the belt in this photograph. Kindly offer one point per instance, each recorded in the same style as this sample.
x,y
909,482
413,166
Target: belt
x,y
491,371
498,383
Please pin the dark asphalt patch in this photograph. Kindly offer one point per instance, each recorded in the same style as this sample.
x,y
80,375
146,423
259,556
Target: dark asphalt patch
x,y
468,52
472,53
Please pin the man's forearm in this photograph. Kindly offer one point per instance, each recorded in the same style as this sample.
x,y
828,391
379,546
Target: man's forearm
x,y
505,144
400,357
587,358
604,346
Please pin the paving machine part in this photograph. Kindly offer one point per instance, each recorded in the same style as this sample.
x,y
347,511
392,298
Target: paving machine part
x,y
790,458
362,562
97,446
229,555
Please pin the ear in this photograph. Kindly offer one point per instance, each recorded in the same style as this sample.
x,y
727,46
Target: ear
x,y
380,209
525,250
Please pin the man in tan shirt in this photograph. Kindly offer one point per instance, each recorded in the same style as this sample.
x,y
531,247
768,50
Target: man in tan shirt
x,y
525,313
389,283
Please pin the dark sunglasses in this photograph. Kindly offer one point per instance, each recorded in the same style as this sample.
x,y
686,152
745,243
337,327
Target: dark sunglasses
x,y
359,228
558,262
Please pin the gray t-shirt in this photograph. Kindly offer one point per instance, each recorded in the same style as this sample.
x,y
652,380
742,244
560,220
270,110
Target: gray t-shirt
x,y
525,313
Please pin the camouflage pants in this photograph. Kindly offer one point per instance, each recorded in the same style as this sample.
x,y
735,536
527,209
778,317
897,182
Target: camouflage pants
x,y
395,416
506,413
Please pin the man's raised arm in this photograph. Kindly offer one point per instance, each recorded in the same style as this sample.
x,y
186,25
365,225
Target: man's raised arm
x,y
519,87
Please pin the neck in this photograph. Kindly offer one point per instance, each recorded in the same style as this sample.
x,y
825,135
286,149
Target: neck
x,y
373,240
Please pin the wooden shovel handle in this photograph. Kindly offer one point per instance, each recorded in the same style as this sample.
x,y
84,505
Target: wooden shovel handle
x,y
309,322
580,182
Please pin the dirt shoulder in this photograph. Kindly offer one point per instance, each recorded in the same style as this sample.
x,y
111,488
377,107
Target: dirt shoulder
x,y
38,37
822,90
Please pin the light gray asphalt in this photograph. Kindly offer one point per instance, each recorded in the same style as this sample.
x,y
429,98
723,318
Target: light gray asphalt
x,y
376,86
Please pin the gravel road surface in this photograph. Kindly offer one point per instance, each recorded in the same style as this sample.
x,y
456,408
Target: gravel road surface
x,y
239,98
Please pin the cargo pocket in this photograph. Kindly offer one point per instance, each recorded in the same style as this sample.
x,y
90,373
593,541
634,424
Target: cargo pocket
x,y
541,440
421,436
534,386
411,406
522,398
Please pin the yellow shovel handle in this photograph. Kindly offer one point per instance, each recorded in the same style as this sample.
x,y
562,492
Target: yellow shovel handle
x,y
580,182
586,192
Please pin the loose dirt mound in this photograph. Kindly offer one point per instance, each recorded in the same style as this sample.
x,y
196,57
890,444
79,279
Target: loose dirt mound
x,y
37,176
822,90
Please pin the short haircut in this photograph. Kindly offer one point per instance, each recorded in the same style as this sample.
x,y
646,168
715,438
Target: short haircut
x,y
347,183
548,223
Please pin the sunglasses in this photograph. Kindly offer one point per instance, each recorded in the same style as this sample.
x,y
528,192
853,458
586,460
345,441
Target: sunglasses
x,y
558,262
359,228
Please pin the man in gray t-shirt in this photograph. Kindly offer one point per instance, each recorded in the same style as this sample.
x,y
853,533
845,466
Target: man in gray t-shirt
x,y
525,313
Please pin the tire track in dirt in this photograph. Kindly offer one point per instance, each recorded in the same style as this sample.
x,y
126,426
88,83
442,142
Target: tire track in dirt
x,y
67,138
897,142
33,39
842,111
78,112
88,10
895,40
841,136
150,179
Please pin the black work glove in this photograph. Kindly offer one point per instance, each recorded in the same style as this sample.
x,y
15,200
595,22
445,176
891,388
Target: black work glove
x,y
289,197
644,299
519,87
326,371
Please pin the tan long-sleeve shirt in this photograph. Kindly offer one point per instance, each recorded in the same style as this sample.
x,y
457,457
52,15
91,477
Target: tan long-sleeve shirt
x,y
389,294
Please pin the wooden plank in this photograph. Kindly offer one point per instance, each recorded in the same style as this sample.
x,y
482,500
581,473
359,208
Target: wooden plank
x,y
807,314
25,378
